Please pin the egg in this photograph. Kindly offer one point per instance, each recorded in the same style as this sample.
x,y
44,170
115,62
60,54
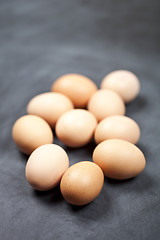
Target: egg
x,y
50,106
82,183
45,167
119,159
77,87
120,127
75,128
29,132
124,82
105,103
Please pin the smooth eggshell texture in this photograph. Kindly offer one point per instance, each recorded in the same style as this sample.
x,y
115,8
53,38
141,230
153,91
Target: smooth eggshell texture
x,y
119,159
120,127
45,167
75,86
29,132
50,106
124,82
76,127
105,103
82,183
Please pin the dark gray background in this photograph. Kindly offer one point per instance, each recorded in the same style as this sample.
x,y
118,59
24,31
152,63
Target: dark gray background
x,y
39,41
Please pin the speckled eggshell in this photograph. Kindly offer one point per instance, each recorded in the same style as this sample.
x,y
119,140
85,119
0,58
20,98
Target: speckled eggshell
x,y
75,86
105,103
120,127
29,132
82,183
49,106
76,127
119,159
45,167
124,82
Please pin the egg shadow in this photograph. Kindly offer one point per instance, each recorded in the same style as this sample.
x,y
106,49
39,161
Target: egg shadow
x,y
141,183
138,104
75,208
117,182
23,156
51,196
87,149
94,210
144,149
77,154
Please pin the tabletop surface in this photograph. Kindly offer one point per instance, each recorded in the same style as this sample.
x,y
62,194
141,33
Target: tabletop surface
x,y
41,40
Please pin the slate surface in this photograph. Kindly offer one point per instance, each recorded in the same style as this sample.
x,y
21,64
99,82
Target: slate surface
x,y
39,41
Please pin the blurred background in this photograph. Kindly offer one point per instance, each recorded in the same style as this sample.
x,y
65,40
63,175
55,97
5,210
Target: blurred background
x,y
41,40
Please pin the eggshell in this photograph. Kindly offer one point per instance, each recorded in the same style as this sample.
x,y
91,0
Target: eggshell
x,y
45,167
125,83
119,159
29,132
50,106
76,127
75,86
82,183
105,103
120,127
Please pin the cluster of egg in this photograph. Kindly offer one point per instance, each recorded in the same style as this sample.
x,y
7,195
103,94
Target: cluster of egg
x,y
77,111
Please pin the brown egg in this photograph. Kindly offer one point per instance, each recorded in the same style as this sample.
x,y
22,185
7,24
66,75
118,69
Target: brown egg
x,y
82,183
125,83
45,167
29,132
76,127
120,127
105,103
49,106
119,159
75,86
